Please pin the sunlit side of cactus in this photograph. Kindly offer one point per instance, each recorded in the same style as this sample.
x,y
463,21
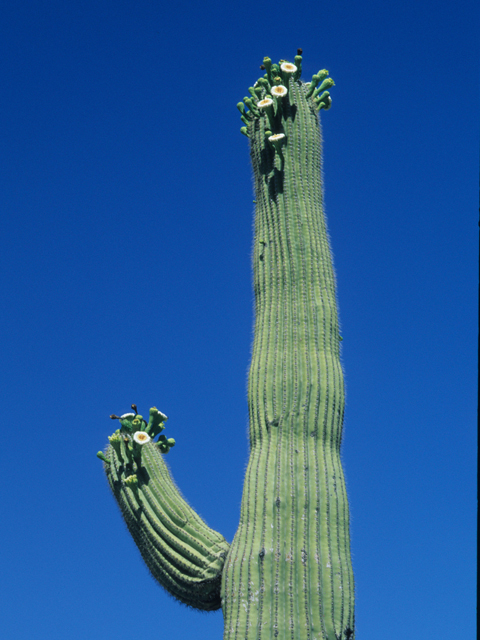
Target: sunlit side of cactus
x,y
288,572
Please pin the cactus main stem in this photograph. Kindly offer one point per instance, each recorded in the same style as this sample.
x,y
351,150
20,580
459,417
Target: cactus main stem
x,y
288,573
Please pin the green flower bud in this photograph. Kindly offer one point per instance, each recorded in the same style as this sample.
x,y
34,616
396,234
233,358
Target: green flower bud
x,y
132,482
116,442
102,456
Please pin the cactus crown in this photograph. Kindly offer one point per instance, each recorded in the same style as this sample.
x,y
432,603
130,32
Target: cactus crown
x,y
270,96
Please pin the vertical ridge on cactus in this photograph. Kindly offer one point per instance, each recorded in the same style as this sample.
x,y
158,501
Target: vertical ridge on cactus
x,y
288,571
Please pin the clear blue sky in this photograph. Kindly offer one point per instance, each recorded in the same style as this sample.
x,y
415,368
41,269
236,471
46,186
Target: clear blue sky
x,y
126,205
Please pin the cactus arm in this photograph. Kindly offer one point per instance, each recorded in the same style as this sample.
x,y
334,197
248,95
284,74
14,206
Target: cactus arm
x,y
183,554
288,573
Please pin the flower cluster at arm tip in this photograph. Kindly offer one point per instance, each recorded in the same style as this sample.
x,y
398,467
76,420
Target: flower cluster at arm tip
x,y
135,432
268,94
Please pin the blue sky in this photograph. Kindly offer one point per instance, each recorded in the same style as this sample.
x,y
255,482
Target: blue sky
x,y
126,201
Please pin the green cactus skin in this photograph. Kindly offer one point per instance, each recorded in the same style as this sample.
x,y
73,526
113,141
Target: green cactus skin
x,y
288,573
182,553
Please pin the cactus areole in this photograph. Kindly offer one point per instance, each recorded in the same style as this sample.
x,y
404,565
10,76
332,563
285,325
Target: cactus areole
x,y
288,572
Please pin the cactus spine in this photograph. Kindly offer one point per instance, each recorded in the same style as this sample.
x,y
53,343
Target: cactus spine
x,y
288,572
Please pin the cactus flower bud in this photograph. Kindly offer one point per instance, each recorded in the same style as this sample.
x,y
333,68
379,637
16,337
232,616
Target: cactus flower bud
x,y
102,456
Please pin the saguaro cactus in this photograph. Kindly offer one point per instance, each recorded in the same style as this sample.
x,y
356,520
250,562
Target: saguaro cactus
x,y
287,573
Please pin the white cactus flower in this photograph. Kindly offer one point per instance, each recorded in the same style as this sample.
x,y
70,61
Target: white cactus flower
x,y
263,104
276,136
279,91
127,416
141,437
288,67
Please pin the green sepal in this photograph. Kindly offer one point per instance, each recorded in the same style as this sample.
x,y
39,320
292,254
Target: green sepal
x,y
244,131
